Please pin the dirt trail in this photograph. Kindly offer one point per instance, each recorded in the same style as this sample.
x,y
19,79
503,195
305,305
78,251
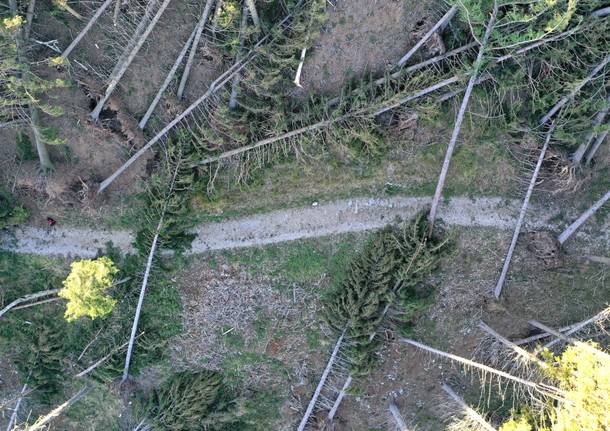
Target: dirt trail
x,y
350,215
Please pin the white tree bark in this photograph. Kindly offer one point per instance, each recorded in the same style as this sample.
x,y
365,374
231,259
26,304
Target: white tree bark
x,y
520,351
325,374
253,13
86,29
13,418
42,421
189,63
123,67
598,143
602,315
583,218
441,23
168,80
459,119
467,409
297,77
400,422
522,213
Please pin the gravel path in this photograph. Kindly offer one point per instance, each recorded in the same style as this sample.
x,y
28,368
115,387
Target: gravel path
x,y
350,215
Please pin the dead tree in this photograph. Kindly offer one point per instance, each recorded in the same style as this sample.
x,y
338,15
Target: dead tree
x,y
460,118
398,419
602,315
28,298
242,39
599,13
13,418
321,383
524,206
88,27
168,80
216,85
565,99
590,137
513,346
441,23
598,143
42,421
583,218
124,65
199,30
253,13
467,409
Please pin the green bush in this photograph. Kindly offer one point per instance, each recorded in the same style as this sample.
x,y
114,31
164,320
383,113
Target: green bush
x,y
11,213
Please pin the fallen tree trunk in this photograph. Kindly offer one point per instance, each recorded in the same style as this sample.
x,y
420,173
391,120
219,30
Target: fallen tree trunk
x,y
583,218
28,298
590,137
189,63
88,27
42,421
575,90
242,39
459,119
520,351
325,374
253,13
602,315
440,23
122,68
522,213
467,409
215,86
598,143
168,80
13,420
398,419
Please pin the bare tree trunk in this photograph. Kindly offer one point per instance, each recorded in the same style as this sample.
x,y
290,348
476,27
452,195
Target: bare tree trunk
x,y
123,67
599,13
168,80
441,23
242,39
27,298
602,315
325,374
13,418
117,11
102,360
597,121
297,77
583,218
29,19
136,319
339,399
42,421
459,119
85,30
191,59
467,409
253,13
520,351
575,90
541,336
43,154
400,422
598,143
522,213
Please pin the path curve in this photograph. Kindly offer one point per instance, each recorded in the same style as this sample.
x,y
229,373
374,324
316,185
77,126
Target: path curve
x,y
349,215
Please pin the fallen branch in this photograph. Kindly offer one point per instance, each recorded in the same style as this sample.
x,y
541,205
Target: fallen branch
x,y
325,374
467,409
297,77
27,298
86,29
583,218
601,12
103,359
524,206
440,23
168,80
191,58
564,337
459,119
20,307
575,90
541,335
122,67
13,418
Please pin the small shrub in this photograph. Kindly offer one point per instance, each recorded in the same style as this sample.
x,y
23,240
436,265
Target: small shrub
x,y
25,150
85,287
11,213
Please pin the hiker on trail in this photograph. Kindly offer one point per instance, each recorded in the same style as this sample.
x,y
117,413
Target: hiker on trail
x,y
50,222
